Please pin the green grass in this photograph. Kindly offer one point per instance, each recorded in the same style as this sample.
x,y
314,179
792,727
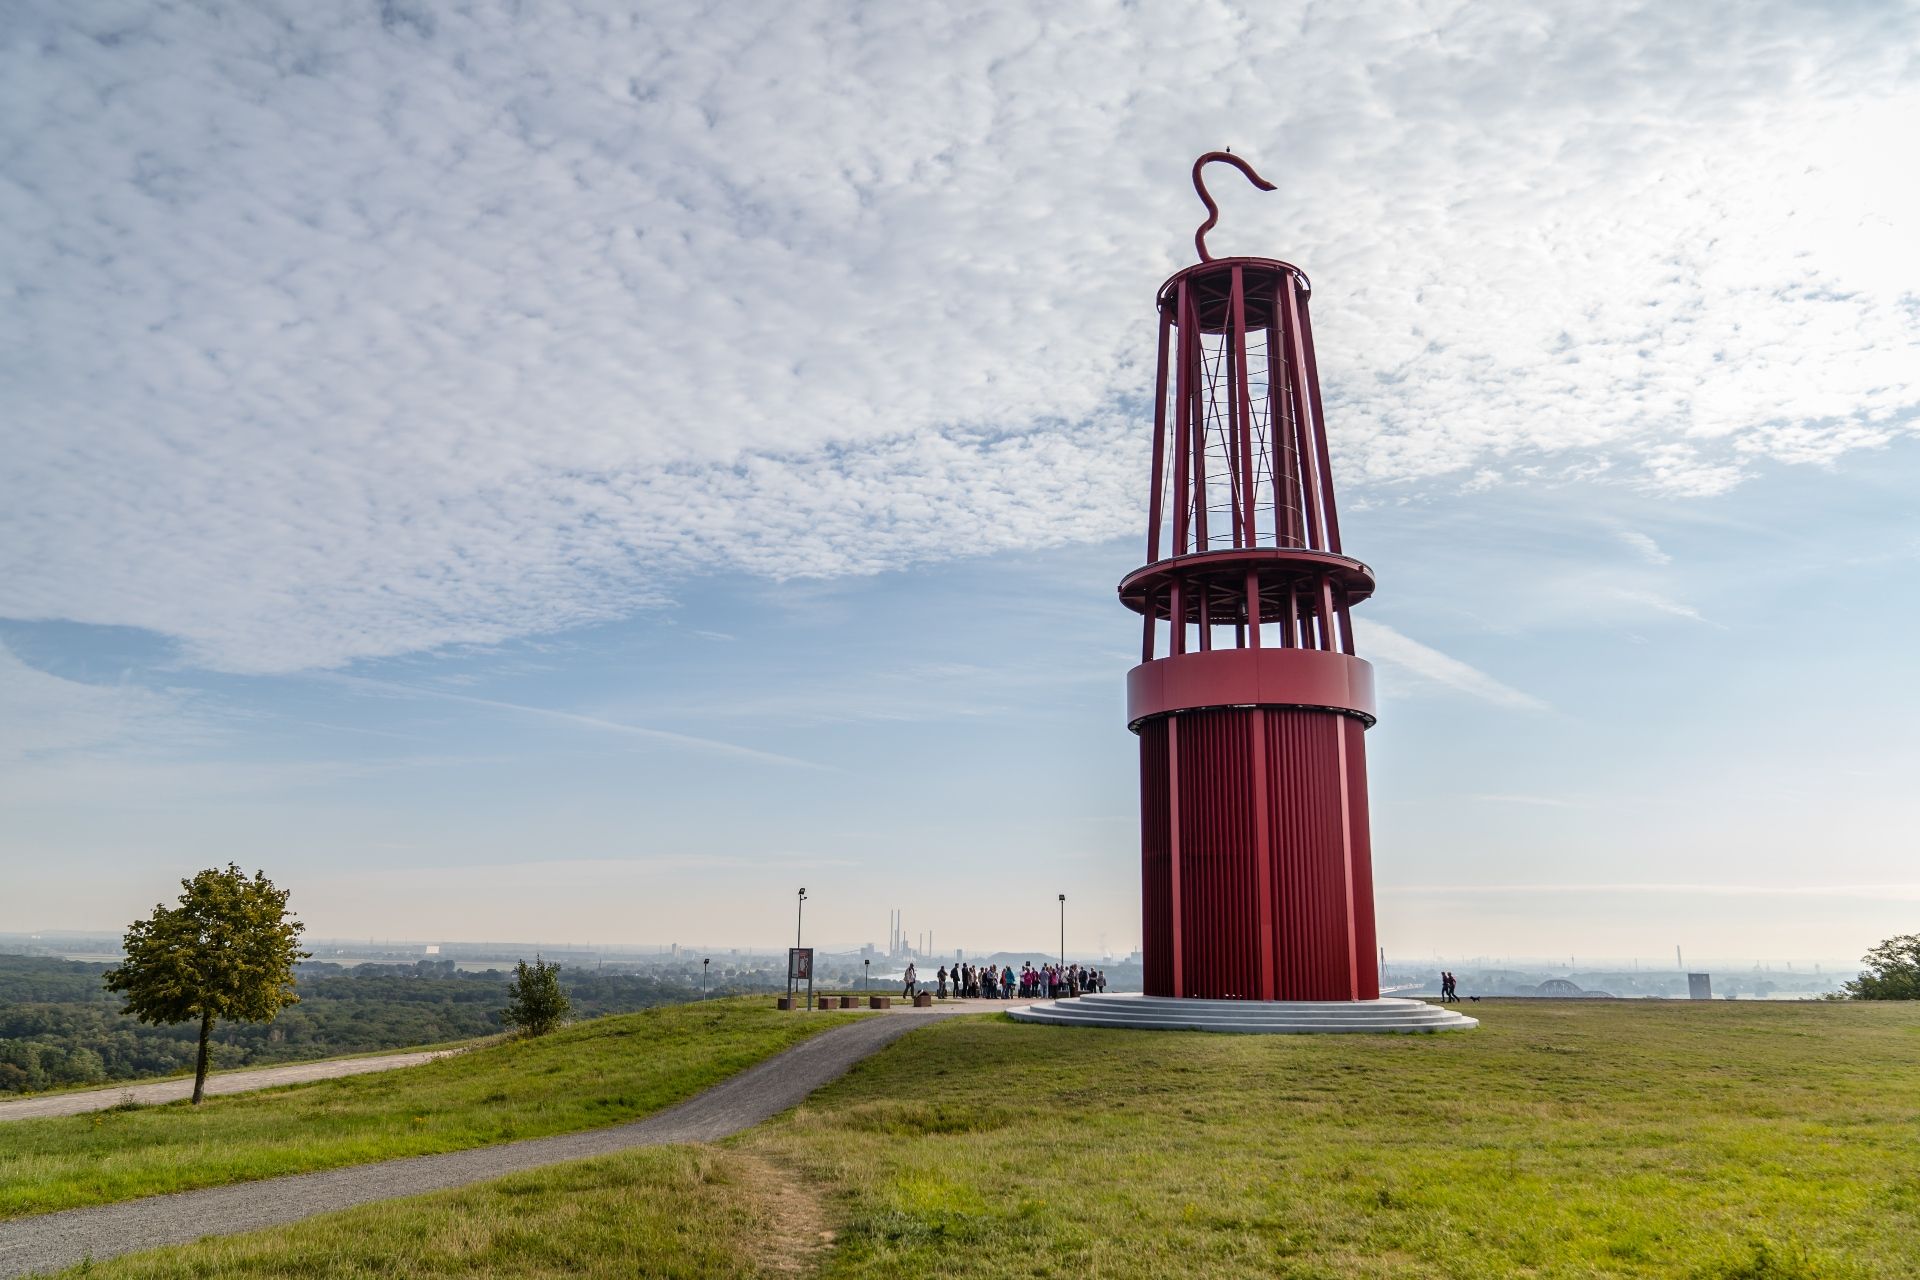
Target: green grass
x,y
597,1073
668,1211
1723,1141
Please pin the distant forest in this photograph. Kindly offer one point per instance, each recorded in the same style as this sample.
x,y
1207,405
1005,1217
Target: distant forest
x,y
59,1026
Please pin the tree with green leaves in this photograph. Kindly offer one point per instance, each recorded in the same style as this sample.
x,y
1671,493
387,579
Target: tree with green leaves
x,y
227,951
535,1002
1892,972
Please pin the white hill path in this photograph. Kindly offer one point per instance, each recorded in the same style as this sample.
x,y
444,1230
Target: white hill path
x,y
153,1092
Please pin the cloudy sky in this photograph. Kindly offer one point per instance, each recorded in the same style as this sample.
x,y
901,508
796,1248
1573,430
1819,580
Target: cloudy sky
x,y
580,472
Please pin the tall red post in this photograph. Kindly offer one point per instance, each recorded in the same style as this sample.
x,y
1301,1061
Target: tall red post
x,y
1249,703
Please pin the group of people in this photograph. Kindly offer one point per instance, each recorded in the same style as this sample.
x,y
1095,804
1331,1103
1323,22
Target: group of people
x,y
1000,982
1449,992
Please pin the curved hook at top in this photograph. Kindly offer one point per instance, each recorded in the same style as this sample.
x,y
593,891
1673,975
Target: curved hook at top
x,y
1213,210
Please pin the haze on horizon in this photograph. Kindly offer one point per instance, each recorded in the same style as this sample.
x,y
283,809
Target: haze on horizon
x,y
585,478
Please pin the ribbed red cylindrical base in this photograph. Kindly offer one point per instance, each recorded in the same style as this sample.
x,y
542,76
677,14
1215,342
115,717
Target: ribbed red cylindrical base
x,y
1256,865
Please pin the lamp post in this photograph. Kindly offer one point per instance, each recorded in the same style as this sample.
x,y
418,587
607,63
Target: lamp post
x,y
703,976
1063,932
866,968
798,915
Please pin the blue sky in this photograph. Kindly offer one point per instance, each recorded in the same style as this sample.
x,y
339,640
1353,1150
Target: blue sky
x,y
584,479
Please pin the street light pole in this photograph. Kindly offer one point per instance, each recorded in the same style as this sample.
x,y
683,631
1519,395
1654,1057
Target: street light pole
x,y
866,968
703,976
1063,931
799,914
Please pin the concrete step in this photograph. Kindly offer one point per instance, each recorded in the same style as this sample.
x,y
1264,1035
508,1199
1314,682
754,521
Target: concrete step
x,y
1254,1009
1255,1017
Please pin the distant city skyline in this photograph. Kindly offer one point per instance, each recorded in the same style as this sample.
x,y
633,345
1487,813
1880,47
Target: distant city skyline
x,y
541,482
478,952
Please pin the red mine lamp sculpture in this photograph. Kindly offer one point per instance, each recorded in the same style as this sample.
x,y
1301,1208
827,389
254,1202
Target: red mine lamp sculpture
x,y
1249,703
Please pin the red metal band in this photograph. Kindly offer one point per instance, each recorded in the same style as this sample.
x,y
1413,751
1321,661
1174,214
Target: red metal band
x,y
1251,678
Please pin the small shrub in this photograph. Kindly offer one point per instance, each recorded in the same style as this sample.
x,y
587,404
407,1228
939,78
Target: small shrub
x,y
1892,971
535,1002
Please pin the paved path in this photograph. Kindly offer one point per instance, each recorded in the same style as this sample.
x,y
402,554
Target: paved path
x,y
73,1104
49,1241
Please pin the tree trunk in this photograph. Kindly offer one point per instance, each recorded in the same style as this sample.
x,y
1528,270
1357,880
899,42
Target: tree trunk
x,y
200,1068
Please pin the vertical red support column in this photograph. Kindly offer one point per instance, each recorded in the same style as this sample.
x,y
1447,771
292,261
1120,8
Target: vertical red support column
x,y
1176,970
1256,870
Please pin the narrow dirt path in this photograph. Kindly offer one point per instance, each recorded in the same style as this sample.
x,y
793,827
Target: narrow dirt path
x,y
73,1104
47,1242
794,1231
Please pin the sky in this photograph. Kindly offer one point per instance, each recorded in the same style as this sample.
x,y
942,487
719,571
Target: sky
x,y
557,472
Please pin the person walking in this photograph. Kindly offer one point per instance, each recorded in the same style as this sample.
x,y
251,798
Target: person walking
x,y
941,977
913,981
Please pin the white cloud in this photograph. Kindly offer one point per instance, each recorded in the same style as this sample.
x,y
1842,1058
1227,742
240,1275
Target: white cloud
x,y
336,333
1382,644
1644,598
600,724
44,717
1646,547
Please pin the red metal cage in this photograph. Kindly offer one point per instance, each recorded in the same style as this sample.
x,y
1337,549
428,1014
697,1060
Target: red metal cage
x,y
1249,702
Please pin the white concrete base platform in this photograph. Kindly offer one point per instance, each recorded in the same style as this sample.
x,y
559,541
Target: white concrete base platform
x,y
1255,1017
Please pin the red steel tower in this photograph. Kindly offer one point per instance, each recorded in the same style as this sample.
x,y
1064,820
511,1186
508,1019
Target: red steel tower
x,y
1249,702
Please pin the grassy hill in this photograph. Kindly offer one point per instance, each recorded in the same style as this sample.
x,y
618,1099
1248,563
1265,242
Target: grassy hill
x,y
1723,1141
60,1027
592,1074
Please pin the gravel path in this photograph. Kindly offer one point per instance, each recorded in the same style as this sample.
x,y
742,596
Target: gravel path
x,y
47,1242
73,1104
